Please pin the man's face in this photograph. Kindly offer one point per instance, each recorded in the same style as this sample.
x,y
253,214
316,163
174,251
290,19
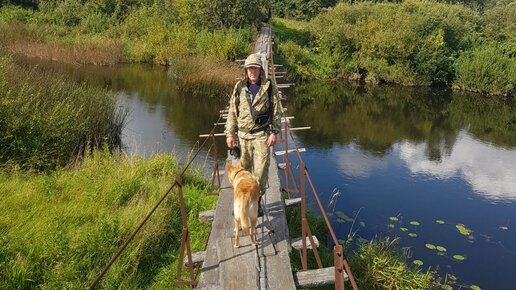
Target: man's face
x,y
253,73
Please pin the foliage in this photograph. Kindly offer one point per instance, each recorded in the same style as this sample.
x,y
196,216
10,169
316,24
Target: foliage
x,y
60,229
300,9
410,43
48,121
148,31
487,69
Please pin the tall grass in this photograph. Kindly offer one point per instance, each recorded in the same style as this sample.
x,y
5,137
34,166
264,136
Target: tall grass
x,y
47,121
379,264
199,76
60,229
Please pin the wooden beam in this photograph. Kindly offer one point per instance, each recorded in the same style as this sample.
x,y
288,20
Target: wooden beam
x,y
316,277
282,152
297,243
216,135
197,258
298,128
293,201
207,215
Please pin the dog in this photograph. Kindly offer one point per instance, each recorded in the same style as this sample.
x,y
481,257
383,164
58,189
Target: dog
x,y
245,200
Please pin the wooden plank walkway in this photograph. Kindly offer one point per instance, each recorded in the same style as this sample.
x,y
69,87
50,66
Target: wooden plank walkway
x,y
266,266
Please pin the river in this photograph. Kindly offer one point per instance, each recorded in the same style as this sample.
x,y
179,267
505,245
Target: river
x,y
435,168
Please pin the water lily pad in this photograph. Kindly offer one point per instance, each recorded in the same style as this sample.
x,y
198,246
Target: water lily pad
x,y
441,248
459,257
341,221
430,246
391,226
412,235
441,222
418,262
463,230
362,224
403,229
475,287
415,223
504,228
447,287
393,218
341,214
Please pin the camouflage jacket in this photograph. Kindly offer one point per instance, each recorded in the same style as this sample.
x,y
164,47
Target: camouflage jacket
x,y
244,122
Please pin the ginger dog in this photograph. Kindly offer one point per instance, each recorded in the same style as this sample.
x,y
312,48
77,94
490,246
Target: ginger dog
x,y
245,200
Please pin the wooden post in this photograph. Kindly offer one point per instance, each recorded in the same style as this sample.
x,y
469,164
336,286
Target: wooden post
x,y
215,169
185,241
337,262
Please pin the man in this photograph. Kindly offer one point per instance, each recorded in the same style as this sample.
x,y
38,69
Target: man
x,y
254,118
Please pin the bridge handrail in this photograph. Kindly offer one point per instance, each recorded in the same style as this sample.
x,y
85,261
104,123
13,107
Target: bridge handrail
x,y
340,260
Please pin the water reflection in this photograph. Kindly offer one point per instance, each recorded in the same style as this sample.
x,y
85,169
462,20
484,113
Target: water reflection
x,y
377,118
161,119
418,154
433,131
490,170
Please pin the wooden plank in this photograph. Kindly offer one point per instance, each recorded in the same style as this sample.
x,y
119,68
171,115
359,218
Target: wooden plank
x,y
197,258
216,135
297,128
237,265
221,228
297,243
207,215
292,201
282,152
317,277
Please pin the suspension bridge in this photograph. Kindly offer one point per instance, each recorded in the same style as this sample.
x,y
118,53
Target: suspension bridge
x,y
267,265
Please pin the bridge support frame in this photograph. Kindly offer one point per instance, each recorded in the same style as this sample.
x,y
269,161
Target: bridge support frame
x,y
185,242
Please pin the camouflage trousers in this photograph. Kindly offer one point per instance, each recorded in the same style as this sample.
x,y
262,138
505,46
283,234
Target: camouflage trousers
x,y
255,158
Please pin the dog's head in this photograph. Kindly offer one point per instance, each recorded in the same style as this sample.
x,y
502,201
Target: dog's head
x,y
233,169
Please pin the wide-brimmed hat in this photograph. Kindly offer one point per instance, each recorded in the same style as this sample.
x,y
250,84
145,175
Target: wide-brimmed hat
x,y
253,60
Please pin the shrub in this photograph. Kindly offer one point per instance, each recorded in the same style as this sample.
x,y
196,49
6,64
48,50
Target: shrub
x,y
411,43
488,69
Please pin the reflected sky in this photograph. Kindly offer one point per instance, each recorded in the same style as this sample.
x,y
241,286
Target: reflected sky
x,y
490,170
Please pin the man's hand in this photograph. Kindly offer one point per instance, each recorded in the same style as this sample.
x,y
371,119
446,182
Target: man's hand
x,y
271,140
230,141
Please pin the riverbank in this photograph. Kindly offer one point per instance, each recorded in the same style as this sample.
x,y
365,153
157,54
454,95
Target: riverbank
x,y
60,229
93,34
412,43
48,120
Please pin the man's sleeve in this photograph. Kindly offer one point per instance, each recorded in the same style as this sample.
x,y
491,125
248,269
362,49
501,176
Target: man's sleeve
x,y
276,116
231,122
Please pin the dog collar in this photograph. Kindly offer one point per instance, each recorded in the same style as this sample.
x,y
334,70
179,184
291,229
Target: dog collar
x,y
236,173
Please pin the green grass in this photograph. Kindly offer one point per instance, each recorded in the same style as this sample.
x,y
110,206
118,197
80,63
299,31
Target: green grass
x,y
60,229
